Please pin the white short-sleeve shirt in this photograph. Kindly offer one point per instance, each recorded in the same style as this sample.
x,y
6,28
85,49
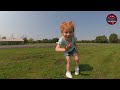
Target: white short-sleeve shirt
x,y
62,42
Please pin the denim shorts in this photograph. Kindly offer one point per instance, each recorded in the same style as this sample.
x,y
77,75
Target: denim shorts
x,y
70,53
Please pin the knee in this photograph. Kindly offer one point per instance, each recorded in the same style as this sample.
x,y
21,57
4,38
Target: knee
x,y
68,62
77,59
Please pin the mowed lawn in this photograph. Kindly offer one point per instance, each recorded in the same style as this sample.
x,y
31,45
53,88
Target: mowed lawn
x,y
97,61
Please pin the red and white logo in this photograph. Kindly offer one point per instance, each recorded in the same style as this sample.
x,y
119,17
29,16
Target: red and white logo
x,y
111,19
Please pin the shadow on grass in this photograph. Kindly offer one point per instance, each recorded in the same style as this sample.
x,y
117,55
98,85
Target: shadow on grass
x,y
85,67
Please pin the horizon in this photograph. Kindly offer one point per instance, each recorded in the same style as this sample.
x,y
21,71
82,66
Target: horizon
x,y
41,25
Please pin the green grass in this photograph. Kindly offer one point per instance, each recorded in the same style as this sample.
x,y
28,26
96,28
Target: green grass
x,y
97,61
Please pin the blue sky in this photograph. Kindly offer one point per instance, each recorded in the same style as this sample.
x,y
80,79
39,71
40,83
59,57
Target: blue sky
x,y
45,24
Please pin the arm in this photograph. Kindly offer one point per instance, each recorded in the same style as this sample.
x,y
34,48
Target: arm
x,y
58,48
76,47
76,44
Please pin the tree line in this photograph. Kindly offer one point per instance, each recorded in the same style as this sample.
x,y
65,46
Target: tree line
x,y
31,40
113,38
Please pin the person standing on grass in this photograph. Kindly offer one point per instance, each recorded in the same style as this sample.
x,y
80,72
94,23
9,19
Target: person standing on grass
x,y
67,44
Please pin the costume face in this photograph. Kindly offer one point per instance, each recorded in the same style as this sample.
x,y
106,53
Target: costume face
x,y
68,33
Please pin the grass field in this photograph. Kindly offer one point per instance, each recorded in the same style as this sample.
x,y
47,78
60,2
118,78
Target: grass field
x,y
97,61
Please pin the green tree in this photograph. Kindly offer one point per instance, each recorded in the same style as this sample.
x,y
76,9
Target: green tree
x,y
54,40
113,38
25,40
101,39
45,40
31,40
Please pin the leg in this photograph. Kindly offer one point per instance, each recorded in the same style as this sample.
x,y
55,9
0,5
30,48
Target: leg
x,y
77,63
68,73
76,57
68,58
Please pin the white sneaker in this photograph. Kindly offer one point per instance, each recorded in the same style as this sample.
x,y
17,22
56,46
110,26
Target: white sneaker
x,y
76,70
68,74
